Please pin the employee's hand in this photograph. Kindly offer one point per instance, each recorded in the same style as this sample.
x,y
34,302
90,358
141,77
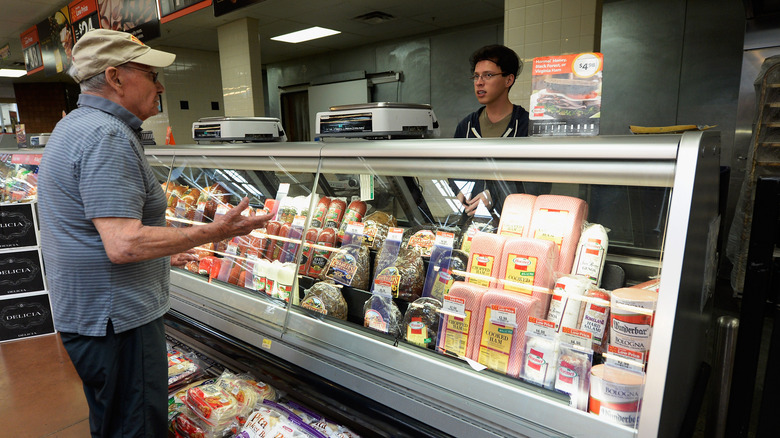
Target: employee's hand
x,y
182,258
472,204
233,223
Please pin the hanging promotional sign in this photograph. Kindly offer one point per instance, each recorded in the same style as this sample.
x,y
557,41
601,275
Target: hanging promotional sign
x,y
173,9
566,94
31,47
56,38
222,7
138,17
83,17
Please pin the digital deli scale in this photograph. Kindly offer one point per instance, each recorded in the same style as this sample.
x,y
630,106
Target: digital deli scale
x,y
238,129
379,120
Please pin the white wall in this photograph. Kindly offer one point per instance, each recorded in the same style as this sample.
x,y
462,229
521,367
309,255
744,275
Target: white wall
x,y
195,78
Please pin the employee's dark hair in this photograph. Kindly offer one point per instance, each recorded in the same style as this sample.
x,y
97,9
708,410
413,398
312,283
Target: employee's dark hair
x,y
504,57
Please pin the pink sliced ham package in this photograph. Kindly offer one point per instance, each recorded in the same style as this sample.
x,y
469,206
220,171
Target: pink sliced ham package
x,y
499,330
516,215
457,333
528,266
559,219
485,259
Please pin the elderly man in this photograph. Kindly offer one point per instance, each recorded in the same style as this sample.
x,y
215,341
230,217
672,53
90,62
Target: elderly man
x,y
106,249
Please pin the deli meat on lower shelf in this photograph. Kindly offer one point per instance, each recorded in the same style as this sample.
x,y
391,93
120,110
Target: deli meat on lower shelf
x,y
500,334
458,323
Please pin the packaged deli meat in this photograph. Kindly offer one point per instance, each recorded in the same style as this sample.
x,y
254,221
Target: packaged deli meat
x,y
319,256
212,404
527,266
183,368
438,279
377,225
591,255
559,219
516,215
485,258
458,319
421,322
318,216
573,374
382,314
566,301
326,298
349,266
422,240
501,321
388,253
335,213
594,317
355,212
412,271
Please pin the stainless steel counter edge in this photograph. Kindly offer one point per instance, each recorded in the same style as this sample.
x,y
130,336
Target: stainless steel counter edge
x,y
648,147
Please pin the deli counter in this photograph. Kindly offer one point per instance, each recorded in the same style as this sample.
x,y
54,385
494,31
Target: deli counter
x,y
655,197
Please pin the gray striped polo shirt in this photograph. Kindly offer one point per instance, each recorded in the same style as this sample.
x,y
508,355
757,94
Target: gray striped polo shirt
x,y
93,167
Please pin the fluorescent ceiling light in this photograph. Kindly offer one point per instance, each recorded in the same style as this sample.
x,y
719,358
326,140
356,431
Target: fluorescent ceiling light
x,y
311,33
12,73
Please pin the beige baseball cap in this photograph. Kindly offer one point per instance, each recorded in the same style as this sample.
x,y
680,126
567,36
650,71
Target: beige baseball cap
x,y
102,48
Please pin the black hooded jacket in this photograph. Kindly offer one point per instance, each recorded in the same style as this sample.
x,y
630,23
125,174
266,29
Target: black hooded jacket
x,y
518,124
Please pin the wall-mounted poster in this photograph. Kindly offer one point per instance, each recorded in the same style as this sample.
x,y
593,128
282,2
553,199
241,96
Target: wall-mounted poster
x,y
566,94
222,7
139,17
83,17
56,38
31,47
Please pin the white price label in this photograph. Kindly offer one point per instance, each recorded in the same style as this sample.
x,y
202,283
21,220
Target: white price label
x,y
395,234
503,316
383,290
355,228
444,239
454,306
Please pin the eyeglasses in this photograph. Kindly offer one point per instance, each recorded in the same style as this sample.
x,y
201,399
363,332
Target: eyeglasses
x,y
153,73
486,76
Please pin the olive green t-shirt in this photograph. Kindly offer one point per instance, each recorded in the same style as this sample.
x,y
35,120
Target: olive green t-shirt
x,y
490,129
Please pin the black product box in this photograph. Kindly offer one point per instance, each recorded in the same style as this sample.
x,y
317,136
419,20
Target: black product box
x,y
21,272
18,227
26,316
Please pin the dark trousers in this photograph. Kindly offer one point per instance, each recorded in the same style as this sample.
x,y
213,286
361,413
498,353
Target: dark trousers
x,y
125,377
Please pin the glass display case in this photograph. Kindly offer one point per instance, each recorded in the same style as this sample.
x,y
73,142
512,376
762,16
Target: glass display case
x,y
384,223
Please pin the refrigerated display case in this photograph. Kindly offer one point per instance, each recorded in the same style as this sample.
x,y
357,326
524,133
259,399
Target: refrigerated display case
x,y
657,196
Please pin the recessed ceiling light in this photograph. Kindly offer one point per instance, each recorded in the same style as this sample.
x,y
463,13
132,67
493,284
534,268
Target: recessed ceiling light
x,y
311,33
11,73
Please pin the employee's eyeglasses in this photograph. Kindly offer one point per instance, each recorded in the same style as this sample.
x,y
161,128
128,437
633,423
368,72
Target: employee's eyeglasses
x,y
486,76
153,73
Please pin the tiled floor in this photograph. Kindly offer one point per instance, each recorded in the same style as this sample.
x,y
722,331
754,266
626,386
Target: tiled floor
x,y
40,392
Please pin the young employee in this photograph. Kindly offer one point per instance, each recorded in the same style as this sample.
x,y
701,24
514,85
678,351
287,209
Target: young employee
x,y
106,248
494,71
